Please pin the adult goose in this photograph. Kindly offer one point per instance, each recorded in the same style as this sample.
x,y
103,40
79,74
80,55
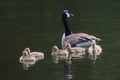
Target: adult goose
x,y
77,39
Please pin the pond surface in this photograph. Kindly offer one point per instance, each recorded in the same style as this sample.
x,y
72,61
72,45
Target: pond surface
x,y
38,25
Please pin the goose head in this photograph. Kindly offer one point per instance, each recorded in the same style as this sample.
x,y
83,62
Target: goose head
x,y
67,14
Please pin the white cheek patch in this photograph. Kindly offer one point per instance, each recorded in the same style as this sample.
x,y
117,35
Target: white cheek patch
x,y
68,15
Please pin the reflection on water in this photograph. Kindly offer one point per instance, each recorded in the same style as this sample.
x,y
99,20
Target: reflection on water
x,y
78,70
76,67
68,71
84,57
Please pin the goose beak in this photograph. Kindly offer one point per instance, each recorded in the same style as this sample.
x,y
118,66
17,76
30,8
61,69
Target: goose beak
x,y
71,14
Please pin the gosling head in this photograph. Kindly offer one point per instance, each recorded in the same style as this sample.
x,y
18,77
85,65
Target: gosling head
x,y
54,49
25,53
68,46
27,49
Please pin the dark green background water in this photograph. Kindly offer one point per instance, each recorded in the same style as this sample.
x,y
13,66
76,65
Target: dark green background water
x,y
37,24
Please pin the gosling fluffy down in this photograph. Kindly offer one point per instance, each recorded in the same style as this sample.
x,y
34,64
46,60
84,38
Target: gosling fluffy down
x,y
37,55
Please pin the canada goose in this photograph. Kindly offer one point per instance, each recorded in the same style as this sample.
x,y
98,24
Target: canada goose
x,y
76,52
77,39
37,55
94,51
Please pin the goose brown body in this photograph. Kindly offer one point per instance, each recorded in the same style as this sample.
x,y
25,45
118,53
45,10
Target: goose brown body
x,y
77,38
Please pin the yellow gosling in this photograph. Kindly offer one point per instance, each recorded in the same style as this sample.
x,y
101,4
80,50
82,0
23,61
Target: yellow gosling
x,y
94,50
37,55
59,54
76,52
27,60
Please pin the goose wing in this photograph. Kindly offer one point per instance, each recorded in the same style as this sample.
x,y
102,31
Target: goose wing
x,y
74,39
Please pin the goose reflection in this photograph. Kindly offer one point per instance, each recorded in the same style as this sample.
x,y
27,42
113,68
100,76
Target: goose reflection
x,y
68,71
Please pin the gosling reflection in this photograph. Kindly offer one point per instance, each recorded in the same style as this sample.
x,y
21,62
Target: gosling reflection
x,y
29,58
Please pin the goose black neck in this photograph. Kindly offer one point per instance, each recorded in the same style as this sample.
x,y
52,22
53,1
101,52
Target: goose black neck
x,y
65,23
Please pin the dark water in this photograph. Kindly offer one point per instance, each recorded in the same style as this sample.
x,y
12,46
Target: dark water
x,y
37,24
